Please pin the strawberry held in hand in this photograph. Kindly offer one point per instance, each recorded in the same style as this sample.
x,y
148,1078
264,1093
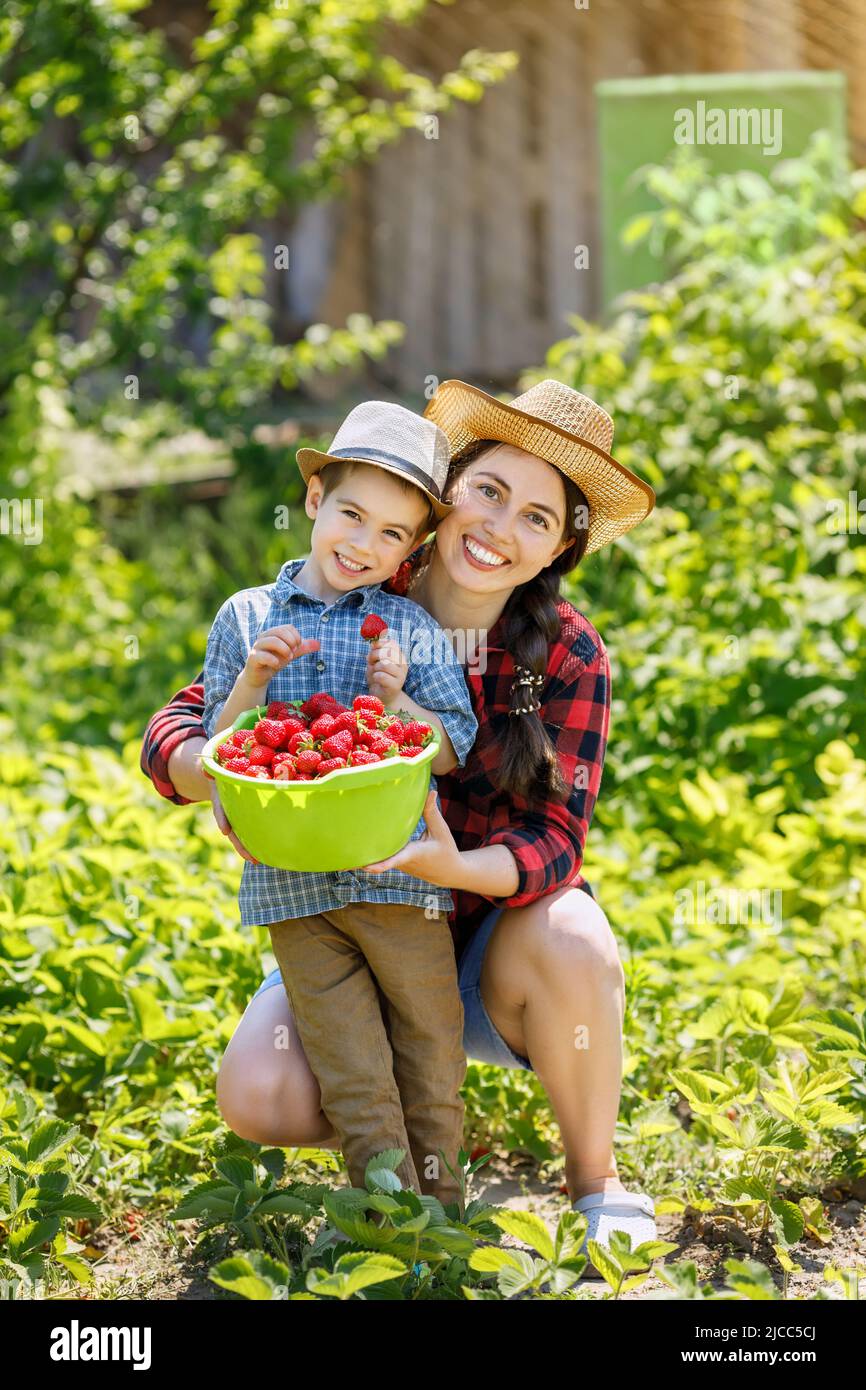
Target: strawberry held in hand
x,y
372,627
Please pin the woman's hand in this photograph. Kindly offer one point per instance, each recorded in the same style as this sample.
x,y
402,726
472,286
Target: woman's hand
x,y
223,822
387,669
435,857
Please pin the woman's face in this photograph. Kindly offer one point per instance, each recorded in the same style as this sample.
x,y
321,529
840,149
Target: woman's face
x,y
509,517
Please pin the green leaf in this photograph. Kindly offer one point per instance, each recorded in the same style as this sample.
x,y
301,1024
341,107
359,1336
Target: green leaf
x,y
286,1205
527,1227
604,1263
489,1259
253,1276
354,1272
790,1221
88,1040
49,1140
31,1235
380,1173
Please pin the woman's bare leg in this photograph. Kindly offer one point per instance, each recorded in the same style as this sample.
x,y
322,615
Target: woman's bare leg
x,y
553,985
265,1089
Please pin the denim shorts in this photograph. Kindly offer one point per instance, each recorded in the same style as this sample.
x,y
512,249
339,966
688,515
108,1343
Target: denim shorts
x,y
482,1042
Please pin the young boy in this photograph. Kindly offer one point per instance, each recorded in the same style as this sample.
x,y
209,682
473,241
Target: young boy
x,y
367,959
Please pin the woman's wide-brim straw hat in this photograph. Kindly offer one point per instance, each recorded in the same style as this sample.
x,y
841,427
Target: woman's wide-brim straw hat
x,y
561,426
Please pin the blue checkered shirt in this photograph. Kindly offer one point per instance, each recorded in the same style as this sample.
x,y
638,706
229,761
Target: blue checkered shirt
x,y
435,681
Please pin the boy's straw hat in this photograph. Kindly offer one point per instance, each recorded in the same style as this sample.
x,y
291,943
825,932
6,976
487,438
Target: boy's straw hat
x,y
393,438
561,426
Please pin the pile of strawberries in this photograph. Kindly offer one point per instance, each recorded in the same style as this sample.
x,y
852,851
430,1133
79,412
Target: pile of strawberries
x,y
303,741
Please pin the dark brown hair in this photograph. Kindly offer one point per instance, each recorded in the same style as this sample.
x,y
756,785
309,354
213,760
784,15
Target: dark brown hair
x,y
529,766
334,473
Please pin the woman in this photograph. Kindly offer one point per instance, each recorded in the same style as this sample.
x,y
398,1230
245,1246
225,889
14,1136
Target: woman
x,y
534,489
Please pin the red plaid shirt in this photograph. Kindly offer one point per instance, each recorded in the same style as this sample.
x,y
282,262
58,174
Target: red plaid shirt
x,y
546,840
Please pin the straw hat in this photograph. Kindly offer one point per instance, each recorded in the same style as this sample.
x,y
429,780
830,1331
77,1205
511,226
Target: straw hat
x,y
564,428
393,438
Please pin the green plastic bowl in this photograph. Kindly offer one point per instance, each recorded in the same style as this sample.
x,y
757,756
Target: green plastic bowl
x,y
351,817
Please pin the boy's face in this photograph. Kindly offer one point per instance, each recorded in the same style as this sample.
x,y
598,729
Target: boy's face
x,y
368,519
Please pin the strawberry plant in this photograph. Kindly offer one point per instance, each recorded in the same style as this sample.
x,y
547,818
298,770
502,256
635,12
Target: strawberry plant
x,y
39,1201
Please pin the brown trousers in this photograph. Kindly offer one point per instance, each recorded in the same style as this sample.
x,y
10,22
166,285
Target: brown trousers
x,y
374,992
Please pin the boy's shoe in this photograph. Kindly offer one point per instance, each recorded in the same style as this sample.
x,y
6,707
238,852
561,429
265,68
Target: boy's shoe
x,y
632,1212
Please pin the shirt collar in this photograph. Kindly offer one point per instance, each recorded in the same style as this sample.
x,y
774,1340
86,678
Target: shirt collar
x,y
285,590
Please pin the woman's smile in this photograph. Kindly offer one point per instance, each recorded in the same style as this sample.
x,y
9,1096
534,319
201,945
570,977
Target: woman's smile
x,y
481,556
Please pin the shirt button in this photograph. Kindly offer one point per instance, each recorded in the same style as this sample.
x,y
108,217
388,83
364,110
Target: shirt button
x,y
320,665
324,617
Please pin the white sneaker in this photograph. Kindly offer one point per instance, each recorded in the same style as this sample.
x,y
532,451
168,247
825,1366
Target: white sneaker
x,y
632,1212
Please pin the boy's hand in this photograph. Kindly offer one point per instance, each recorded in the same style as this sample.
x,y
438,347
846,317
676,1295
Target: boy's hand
x,y
387,669
273,650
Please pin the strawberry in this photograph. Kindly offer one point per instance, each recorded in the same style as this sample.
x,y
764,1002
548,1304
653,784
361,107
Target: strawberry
x,y
241,737
330,765
410,750
299,741
226,751
278,709
304,776
368,702
372,627
285,771
367,719
261,755
396,731
347,720
237,765
338,745
321,727
133,1223
417,733
317,704
282,757
359,757
381,744
295,724
261,774
270,732
308,760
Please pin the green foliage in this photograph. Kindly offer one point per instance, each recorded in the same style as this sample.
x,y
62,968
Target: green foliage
x,y
561,1262
728,847
367,1237
734,614
38,1198
135,166
122,969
